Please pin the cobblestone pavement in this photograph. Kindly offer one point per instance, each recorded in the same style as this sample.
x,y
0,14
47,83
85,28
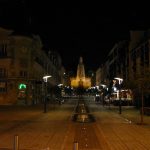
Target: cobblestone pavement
x,y
55,129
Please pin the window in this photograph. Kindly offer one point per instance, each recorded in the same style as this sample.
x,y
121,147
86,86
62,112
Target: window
x,y
142,56
23,73
2,72
3,50
146,53
3,87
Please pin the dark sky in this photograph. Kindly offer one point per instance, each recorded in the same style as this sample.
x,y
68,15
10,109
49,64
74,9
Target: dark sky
x,y
74,30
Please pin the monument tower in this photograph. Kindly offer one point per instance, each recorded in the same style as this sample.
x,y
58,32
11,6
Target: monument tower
x,y
80,79
80,69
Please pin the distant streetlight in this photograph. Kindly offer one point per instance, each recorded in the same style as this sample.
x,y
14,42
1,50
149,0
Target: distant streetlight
x,y
45,78
104,87
120,81
59,85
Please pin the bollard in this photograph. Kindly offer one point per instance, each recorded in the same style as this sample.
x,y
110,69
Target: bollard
x,y
16,142
75,146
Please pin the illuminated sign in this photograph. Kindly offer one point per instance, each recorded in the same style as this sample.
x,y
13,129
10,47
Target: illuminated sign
x,y
22,86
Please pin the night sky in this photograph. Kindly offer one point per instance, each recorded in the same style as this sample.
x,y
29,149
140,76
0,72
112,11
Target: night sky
x,y
74,30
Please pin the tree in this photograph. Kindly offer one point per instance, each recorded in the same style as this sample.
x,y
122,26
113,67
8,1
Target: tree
x,y
141,87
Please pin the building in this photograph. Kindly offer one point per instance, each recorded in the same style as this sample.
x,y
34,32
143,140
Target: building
x,y
23,63
129,60
139,52
81,80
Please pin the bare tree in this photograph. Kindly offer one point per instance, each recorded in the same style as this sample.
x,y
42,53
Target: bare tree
x,y
141,86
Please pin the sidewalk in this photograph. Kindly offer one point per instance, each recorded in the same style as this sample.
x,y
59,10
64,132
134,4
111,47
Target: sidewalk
x,y
130,113
122,131
55,129
36,130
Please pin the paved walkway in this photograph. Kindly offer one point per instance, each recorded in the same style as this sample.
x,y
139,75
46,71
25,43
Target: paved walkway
x,y
121,132
55,129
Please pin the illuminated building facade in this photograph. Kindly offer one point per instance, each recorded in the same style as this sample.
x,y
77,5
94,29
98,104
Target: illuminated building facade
x,y
81,80
23,63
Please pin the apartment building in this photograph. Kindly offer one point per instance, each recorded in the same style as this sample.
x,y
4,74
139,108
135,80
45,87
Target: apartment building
x,y
139,52
128,60
23,63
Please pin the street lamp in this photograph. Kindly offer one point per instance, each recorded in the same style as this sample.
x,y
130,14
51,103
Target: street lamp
x,y
120,81
45,78
104,86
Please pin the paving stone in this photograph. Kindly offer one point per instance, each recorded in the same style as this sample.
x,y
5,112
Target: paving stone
x,y
55,129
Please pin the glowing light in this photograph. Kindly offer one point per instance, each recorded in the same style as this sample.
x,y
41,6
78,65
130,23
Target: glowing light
x,y
46,77
22,86
119,79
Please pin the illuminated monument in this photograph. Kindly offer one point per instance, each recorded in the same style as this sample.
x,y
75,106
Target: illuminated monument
x,y
81,80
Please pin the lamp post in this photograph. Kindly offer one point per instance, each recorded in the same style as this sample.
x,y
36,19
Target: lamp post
x,y
104,86
120,81
45,78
